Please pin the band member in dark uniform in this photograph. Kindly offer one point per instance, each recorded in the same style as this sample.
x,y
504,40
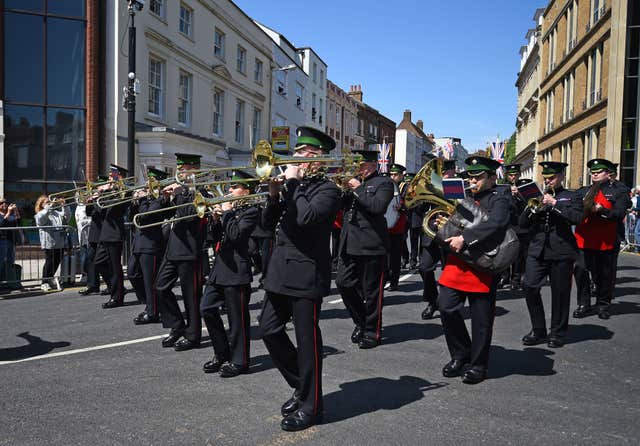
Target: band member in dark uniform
x,y
97,215
405,247
302,211
183,259
147,250
431,253
229,282
364,242
397,232
552,251
261,246
605,204
108,257
414,221
613,173
459,280
514,274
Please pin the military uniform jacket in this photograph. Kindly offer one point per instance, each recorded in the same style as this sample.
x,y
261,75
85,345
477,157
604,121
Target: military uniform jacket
x,y
303,217
551,237
113,223
260,231
518,204
498,207
148,240
232,265
97,216
617,194
186,238
364,228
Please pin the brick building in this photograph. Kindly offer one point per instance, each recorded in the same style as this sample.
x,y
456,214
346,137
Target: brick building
x,y
373,127
588,94
342,117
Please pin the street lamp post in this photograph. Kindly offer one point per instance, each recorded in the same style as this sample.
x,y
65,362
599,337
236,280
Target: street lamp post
x,y
132,84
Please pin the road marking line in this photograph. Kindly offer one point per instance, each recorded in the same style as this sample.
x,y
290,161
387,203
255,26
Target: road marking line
x,y
335,301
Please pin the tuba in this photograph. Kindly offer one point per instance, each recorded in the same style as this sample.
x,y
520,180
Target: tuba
x,y
449,218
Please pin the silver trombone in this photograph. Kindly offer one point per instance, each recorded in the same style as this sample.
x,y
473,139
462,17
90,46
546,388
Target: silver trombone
x,y
202,205
115,198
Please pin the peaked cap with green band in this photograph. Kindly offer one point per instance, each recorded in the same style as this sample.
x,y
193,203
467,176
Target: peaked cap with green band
x,y
308,136
600,164
239,175
479,164
512,168
188,159
368,156
156,173
397,168
120,170
551,168
449,165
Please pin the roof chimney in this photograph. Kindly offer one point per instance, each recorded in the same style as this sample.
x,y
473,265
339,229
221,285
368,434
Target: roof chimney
x,y
420,124
407,116
356,92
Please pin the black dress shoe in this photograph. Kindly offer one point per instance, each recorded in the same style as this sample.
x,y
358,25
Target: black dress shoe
x,y
229,370
582,311
112,303
144,318
604,314
105,292
185,344
555,342
299,420
393,287
453,368
357,334
534,338
474,376
291,405
427,313
87,291
212,366
367,342
171,340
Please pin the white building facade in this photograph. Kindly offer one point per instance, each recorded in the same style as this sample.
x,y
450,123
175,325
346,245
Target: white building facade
x,y
205,82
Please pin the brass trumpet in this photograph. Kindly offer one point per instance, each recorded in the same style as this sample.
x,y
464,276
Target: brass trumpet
x,y
202,205
535,204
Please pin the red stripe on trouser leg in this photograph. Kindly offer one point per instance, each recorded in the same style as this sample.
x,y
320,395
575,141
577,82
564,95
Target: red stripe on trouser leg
x,y
245,360
380,290
315,357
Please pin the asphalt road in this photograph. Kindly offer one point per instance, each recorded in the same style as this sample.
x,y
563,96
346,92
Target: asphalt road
x,y
64,382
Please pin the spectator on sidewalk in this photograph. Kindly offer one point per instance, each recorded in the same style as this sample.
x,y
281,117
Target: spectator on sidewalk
x,y
9,217
52,237
83,222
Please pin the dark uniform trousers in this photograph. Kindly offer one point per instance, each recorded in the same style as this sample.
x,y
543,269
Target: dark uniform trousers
x,y
482,307
395,257
598,264
414,240
360,280
93,276
235,347
301,368
190,274
518,267
559,272
108,262
141,271
429,257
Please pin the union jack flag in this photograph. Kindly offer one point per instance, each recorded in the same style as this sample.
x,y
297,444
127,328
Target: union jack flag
x,y
448,150
383,158
497,153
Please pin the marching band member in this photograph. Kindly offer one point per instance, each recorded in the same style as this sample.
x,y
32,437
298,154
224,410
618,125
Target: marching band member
x,y
108,258
302,211
605,205
514,274
229,283
363,249
147,250
397,232
93,276
552,251
182,259
459,280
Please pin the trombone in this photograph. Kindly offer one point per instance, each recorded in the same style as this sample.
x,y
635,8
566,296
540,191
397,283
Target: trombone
x,y
153,186
202,205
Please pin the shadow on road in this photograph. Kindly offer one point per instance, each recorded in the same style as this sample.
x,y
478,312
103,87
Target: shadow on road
x,y
530,361
395,334
620,291
264,362
36,347
625,307
587,332
381,394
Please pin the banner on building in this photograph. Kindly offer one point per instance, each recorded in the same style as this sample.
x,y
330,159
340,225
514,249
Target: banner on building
x,y
280,139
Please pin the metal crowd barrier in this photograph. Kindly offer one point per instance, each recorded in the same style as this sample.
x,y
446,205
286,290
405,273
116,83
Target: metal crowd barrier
x,y
631,242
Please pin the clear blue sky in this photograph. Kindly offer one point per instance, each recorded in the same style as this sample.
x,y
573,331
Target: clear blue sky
x,y
453,63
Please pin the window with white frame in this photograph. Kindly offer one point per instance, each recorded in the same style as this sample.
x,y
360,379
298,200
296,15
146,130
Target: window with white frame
x,y
299,96
550,111
184,98
218,112
595,73
553,38
567,106
590,152
255,126
218,44
338,114
241,60
595,11
572,25
314,72
258,71
321,79
239,136
565,157
186,20
157,7
156,81
281,82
